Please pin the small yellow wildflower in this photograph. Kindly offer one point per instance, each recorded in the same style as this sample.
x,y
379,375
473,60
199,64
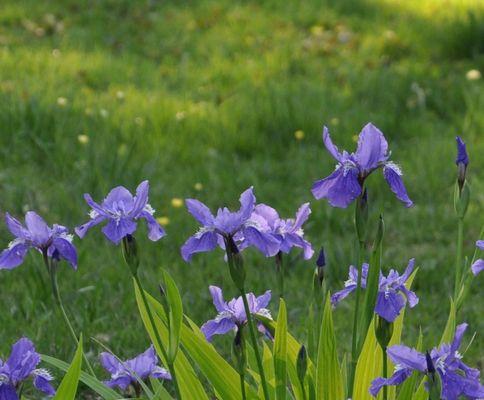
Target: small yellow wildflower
x,y
103,112
176,202
334,121
317,30
163,220
61,101
120,95
180,115
299,134
83,139
473,75
198,186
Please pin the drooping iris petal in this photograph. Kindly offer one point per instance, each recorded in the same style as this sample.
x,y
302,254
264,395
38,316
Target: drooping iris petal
x,y
266,243
206,241
82,229
340,188
408,357
13,256
396,379
372,148
115,230
66,250
42,380
217,327
7,392
155,231
389,305
393,176
477,266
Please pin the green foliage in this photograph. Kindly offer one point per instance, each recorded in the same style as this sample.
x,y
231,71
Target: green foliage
x,y
280,351
68,387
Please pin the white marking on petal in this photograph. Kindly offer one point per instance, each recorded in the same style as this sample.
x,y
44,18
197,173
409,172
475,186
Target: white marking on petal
x,y
15,242
203,230
223,315
150,210
394,167
93,214
43,373
264,312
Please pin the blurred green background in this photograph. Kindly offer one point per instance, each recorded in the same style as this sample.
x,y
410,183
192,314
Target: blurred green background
x,y
205,98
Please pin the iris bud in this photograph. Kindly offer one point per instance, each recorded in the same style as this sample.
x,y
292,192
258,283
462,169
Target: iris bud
x,y
433,379
130,253
461,199
320,264
383,331
302,364
236,262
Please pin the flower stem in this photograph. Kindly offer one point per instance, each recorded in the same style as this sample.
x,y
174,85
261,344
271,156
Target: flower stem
x,y
385,372
242,384
51,268
458,257
280,273
170,364
255,345
354,338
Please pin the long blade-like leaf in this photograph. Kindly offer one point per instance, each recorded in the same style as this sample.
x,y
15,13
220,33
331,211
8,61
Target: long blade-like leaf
x,y
280,351
175,314
329,383
68,387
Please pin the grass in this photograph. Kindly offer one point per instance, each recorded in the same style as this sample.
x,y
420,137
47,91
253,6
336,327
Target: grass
x,y
204,99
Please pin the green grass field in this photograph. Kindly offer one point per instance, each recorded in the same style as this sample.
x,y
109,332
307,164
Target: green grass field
x,y
203,99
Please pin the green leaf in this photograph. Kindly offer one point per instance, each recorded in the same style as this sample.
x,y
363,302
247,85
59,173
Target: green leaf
x,y
175,318
68,387
329,382
370,361
190,385
280,351
99,387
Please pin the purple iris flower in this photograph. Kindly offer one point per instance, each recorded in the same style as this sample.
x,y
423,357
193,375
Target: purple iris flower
x,y
20,366
121,210
56,242
478,265
462,157
232,315
126,373
345,184
392,293
457,378
288,232
227,224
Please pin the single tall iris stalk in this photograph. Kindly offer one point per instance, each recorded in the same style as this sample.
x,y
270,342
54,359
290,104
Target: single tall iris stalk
x,y
55,244
21,366
121,210
223,229
454,378
126,374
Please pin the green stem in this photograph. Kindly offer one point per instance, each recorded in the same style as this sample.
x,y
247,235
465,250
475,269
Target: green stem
x,y
51,268
385,372
242,385
170,364
280,273
253,338
354,338
458,257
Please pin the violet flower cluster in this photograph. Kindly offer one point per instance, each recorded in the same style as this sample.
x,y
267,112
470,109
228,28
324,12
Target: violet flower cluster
x,y
21,366
392,292
345,184
129,372
457,378
252,225
231,315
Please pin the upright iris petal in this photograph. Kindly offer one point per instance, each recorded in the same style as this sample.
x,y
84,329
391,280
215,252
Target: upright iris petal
x,y
55,242
231,315
121,210
392,293
344,185
126,373
227,224
288,232
20,366
457,378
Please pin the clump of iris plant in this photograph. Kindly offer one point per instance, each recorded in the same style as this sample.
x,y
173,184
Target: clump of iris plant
x,y
478,265
392,293
54,243
231,315
21,366
121,210
345,184
228,225
126,374
456,378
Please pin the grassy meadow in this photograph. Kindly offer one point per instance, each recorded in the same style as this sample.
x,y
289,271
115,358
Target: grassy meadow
x,y
204,99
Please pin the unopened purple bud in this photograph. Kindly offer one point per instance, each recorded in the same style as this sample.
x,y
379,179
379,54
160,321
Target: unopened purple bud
x,y
462,157
430,364
321,261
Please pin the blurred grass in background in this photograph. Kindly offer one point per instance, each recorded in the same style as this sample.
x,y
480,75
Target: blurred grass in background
x,y
207,98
